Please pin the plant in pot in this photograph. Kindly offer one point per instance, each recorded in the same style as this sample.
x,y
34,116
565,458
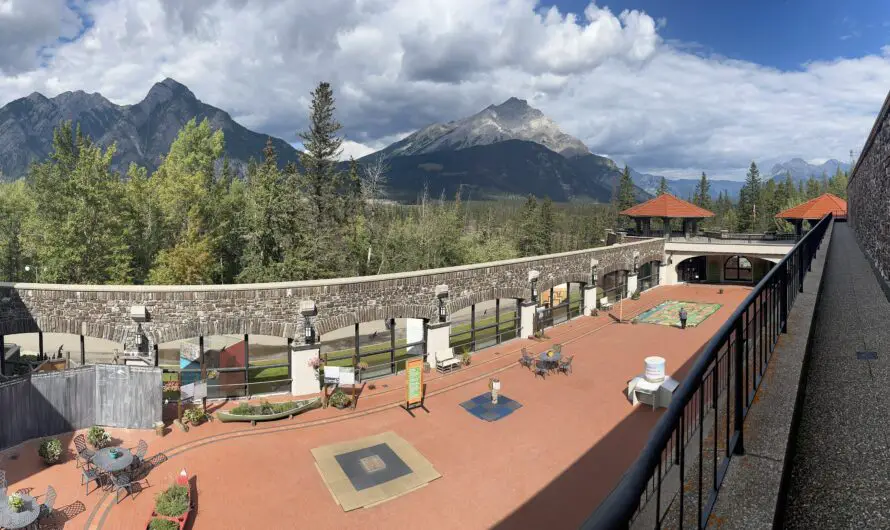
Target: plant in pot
x,y
194,416
158,523
97,437
635,295
50,451
16,503
339,399
466,359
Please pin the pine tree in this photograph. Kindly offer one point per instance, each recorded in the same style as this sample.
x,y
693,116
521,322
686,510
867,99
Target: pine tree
x,y
814,188
837,184
749,198
703,192
625,195
528,240
662,187
546,226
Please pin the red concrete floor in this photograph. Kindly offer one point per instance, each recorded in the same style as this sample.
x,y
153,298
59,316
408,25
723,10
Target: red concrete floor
x,y
548,464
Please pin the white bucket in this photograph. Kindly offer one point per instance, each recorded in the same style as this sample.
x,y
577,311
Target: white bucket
x,y
654,369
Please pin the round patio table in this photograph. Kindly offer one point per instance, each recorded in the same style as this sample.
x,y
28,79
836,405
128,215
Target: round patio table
x,y
550,361
29,514
104,461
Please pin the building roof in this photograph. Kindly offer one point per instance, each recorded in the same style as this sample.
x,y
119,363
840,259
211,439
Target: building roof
x,y
666,205
816,208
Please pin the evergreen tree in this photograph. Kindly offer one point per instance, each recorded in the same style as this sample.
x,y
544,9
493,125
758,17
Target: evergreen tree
x,y
837,184
529,240
546,229
703,192
749,197
625,196
814,188
662,187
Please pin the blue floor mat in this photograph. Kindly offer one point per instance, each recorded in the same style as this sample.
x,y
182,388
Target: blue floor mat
x,y
484,409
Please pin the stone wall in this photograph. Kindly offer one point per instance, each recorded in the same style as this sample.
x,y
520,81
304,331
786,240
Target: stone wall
x,y
177,312
868,194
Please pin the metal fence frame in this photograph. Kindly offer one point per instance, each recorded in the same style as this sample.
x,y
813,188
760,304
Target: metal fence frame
x,y
511,332
717,394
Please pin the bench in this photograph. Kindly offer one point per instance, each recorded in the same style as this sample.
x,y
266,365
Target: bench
x,y
604,303
446,361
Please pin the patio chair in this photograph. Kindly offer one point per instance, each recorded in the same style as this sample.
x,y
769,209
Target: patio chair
x,y
541,369
526,359
90,474
46,508
119,482
565,366
557,349
139,455
2,484
83,453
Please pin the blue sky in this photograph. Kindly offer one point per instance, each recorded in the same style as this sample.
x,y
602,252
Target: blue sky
x,y
782,34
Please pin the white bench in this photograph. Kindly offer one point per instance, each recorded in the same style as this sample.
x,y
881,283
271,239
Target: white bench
x,y
604,303
445,360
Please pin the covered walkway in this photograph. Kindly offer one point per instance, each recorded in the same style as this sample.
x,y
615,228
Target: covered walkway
x,y
841,464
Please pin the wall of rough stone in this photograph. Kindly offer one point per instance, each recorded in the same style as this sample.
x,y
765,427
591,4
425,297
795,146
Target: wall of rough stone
x,y
868,194
177,312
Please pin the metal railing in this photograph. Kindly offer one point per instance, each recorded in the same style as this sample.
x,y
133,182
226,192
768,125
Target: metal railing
x,y
706,416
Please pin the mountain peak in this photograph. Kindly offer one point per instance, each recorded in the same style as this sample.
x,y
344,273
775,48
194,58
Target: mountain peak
x,y
165,91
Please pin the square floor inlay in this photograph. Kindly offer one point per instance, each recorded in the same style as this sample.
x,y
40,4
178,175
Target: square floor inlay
x,y
372,466
365,472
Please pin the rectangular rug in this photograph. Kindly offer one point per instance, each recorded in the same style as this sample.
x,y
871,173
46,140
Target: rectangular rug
x,y
668,313
371,470
482,407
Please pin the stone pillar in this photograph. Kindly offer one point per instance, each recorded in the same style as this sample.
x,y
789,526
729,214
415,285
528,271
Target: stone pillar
x,y
527,319
438,339
631,284
589,299
304,378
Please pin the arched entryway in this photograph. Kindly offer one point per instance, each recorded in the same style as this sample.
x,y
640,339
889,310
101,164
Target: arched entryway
x,y
692,270
738,269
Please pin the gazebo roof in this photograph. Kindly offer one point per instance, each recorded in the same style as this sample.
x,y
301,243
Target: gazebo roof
x,y
666,205
816,208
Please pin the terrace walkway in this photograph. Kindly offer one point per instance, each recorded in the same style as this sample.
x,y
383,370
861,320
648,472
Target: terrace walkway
x,y
839,474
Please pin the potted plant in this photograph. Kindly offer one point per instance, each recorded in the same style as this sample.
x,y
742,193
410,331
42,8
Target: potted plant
x,y
212,374
466,359
426,367
339,399
97,437
16,503
194,416
635,295
50,451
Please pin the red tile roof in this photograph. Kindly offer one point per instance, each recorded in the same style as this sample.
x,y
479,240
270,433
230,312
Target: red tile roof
x,y
667,205
816,208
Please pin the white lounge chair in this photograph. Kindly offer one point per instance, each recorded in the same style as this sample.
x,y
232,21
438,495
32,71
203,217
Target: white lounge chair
x,y
446,361
604,303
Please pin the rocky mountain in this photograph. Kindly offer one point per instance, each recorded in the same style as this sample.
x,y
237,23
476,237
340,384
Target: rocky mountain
x,y
800,169
143,132
510,149
685,188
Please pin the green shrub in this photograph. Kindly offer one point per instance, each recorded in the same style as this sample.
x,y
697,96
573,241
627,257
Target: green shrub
x,y
162,524
339,399
98,438
50,451
173,502
263,409
194,415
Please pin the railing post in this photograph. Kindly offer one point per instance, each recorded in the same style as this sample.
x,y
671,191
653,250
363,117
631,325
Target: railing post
x,y
801,257
783,300
2,356
739,448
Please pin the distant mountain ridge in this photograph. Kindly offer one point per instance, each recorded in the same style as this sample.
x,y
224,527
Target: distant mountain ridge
x,y
800,169
142,132
685,188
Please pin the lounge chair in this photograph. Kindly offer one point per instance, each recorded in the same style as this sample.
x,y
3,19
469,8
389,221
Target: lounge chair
x,y
605,303
446,361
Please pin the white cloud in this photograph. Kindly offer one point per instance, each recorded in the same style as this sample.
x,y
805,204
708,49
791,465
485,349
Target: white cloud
x,y
398,65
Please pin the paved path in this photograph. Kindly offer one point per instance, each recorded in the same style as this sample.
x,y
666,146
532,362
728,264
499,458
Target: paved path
x,y
841,468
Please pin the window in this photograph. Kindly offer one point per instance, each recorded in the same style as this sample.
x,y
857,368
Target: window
x,y
737,269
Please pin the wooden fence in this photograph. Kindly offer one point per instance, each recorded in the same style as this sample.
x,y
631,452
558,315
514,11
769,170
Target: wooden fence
x,y
52,403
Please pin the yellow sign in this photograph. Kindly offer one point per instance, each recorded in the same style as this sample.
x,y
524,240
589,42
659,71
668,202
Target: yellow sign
x,y
414,371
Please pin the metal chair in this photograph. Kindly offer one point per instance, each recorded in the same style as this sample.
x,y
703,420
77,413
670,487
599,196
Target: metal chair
x,y
120,482
3,483
90,474
557,349
139,455
541,369
565,366
46,508
526,359
83,453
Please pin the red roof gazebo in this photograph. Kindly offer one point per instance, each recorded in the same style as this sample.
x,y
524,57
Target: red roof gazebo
x,y
814,209
667,207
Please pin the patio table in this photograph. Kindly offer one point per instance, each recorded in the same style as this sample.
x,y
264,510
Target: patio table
x,y
29,514
551,362
104,461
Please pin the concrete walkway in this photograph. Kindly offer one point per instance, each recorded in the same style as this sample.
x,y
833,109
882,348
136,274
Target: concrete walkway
x,y
841,468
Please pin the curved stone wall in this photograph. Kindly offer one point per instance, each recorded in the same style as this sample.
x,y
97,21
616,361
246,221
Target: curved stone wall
x,y
868,194
177,312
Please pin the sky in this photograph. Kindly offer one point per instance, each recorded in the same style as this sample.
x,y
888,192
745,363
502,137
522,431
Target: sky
x,y
671,87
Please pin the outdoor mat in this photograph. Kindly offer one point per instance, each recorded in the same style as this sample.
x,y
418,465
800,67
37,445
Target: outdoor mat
x,y
484,409
668,313
372,470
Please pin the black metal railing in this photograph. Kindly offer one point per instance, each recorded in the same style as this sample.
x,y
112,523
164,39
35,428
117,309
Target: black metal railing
x,y
687,455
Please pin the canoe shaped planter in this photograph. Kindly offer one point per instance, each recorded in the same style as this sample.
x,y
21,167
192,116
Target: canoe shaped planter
x,y
298,407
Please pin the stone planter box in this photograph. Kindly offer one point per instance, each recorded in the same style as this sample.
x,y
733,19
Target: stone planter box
x,y
302,406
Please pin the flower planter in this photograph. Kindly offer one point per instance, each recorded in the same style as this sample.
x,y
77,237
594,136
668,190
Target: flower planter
x,y
181,520
302,406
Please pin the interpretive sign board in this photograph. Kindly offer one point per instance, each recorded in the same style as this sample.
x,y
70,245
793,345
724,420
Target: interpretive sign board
x,y
414,387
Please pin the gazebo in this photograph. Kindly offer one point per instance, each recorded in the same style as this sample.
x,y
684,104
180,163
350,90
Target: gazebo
x,y
667,207
813,210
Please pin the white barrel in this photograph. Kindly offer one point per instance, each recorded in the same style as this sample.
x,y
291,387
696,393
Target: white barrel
x,y
654,369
